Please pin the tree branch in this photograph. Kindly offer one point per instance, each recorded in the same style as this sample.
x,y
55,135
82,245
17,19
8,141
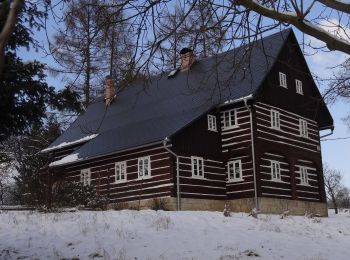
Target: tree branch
x,y
337,5
332,42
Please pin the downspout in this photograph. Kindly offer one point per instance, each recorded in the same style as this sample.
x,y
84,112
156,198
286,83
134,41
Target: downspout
x,y
178,198
253,153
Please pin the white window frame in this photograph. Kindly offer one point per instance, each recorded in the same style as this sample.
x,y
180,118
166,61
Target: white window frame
x,y
303,128
228,114
276,171
304,176
141,167
197,167
120,172
283,80
231,171
275,119
85,176
299,86
212,126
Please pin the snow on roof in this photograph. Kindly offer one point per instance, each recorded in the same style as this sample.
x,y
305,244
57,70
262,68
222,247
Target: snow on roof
x,y
67,159
64,144
232,101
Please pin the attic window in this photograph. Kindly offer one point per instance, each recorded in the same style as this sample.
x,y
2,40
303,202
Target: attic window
x,y
212,123
299,86
230,118
283,80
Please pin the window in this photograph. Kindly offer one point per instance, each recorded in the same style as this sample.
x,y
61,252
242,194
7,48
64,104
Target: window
x,y
299,86
275,119
120,171
144,167
275,171
212,123
197,167
303,128
304,178
234,169
230,118
85,177
283,80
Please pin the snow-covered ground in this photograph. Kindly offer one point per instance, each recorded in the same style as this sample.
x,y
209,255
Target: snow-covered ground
x,y
171,235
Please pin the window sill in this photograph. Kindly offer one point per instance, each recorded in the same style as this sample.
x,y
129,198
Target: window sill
x,y
118,182
234,181
198,177
144,178
277,180
304,184
230,127
212,130
275,128
286,87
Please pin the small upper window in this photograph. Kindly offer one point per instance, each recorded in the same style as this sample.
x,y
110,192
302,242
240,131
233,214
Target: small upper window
x,y
275,171
230,118
212,123
197,166
304,178
299,86
85,177
144,167
303,128
120,171
234,169
283,80
275,119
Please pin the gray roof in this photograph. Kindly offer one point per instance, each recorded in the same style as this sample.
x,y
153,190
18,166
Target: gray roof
x,y
148,112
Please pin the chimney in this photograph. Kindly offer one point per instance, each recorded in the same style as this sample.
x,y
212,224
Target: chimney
x,y
109,90
187,59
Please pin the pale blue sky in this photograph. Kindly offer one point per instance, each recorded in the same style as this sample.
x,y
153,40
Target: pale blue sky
x,y
335,153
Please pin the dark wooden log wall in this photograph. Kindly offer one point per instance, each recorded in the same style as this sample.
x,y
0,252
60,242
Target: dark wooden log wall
x,y
236,145
159,184
292,151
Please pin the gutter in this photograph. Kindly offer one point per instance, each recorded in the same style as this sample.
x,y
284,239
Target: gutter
x,y
253,150
332,129
178,198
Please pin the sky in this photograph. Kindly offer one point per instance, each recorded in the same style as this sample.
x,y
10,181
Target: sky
x,y
335,153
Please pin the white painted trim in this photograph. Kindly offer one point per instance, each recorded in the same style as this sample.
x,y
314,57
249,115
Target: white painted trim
x,y
282,142
277,195
142,177
212,124
200,164
239,191
121,165
283,80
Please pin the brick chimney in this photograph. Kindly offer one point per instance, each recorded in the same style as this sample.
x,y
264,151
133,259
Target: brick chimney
x,y
187,59
110,90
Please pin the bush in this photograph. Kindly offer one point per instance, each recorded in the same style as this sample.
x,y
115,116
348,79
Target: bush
x,y
72,194
159,204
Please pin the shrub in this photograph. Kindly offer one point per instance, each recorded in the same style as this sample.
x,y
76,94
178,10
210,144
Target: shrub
x,y
71,194
159,204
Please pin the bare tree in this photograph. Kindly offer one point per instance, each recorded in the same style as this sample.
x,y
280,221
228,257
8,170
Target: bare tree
x,y
333,184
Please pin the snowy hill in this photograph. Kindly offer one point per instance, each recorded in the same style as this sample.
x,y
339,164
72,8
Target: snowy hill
x,y
171,235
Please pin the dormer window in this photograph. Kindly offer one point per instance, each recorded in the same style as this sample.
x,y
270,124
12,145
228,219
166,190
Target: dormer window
x,y
212,123
299,86
303,128
230,118
275,119
283,80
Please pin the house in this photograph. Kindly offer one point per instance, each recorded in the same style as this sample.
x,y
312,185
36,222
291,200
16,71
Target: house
x,y
241,128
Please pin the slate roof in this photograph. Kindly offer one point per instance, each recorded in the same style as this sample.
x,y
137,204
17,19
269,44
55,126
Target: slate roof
x,y
148,112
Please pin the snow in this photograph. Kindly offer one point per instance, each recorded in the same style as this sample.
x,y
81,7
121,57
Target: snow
x,y
64,144
232,101
68,159
151,234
